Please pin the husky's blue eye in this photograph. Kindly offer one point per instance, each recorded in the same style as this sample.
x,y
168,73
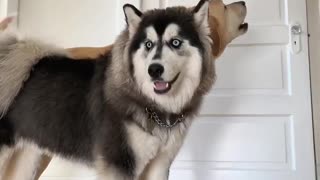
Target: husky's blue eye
x,y
148,45
176,43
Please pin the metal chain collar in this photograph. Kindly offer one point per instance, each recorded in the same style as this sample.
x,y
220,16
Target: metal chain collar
x,y
152,115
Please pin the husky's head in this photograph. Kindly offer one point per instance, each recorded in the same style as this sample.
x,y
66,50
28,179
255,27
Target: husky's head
x,y
169,53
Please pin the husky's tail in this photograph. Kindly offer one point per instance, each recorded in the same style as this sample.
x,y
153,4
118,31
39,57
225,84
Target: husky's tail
x,y
17,57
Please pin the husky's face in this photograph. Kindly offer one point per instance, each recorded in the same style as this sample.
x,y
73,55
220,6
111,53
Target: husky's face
x,y
166,52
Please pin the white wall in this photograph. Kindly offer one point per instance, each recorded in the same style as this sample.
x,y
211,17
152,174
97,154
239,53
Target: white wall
x,y
314,41
42,18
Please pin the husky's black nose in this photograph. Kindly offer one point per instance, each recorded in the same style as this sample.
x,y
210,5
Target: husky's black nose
x,y
155,70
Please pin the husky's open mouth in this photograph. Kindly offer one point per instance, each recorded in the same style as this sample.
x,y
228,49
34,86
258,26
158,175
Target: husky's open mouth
x,y
162,87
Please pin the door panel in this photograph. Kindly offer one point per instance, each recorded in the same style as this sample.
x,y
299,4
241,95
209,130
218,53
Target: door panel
x,y
260,12
241,134
267,63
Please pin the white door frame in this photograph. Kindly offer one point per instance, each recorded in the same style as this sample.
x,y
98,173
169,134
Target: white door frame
x,y
313,10
9,8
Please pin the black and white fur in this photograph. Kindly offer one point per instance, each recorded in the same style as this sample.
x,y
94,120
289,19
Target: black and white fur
x,y
94,111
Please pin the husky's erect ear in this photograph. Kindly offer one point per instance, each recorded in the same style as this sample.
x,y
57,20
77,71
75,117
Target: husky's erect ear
x,y
200,13
133,17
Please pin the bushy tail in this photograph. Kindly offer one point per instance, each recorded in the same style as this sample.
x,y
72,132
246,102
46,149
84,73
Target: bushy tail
x,y
17,57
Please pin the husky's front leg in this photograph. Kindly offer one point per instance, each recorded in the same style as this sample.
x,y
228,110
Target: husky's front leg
x,y
159,167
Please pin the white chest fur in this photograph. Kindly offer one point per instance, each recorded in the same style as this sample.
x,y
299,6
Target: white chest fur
x,y
147,147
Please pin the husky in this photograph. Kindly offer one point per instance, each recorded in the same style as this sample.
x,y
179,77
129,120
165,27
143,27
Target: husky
x,y
125,110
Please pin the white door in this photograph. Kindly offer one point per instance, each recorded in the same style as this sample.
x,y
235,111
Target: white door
x,y
255,125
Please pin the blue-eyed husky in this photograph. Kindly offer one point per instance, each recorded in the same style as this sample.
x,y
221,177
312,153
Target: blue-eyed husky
x,y
123,110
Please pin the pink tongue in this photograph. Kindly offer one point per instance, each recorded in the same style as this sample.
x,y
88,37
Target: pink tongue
x,y
160,85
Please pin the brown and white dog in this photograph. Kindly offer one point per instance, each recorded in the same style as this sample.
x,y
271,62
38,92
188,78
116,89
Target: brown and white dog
x,y
226,23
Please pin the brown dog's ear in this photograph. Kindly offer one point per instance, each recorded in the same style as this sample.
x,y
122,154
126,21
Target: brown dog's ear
x,y
216,36
133,18
201,12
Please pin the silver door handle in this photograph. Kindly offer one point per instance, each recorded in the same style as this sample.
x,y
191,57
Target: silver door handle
x,y
296,32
